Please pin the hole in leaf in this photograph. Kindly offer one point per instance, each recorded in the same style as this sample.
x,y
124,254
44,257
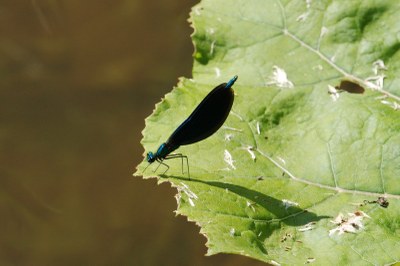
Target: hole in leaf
x,y
350,87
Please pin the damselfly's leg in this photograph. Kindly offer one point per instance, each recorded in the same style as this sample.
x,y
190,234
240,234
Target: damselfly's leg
x,y
179,155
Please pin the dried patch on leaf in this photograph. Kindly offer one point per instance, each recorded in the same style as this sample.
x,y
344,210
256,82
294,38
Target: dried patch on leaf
x,y
352,223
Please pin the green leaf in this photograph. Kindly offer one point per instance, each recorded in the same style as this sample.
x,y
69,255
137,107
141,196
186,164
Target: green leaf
x,y
319,151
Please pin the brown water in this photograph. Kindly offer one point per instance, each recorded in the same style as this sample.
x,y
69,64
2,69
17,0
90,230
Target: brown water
x,y
77,79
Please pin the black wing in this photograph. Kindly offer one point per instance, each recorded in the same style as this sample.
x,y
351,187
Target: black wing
x,y
206,119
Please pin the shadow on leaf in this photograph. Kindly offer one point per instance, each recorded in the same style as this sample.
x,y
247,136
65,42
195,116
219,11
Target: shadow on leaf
x,y
281,213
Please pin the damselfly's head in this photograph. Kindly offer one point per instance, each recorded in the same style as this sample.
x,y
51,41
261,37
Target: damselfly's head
x,y
150,157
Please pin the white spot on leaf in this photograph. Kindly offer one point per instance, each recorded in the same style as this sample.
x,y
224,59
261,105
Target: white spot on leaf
x,y
307,227
228,159
333,92
217,70
279,78
377,66
232,128
310,260
376,82
250,149
232,231
191,202
228,137
393,104
288,203
324,31
237,115
185,189
305,15
250,205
